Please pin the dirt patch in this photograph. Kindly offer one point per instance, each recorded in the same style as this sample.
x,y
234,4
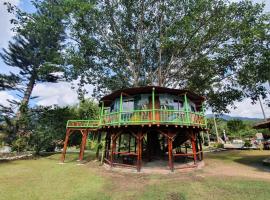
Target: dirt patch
x,y
238,164
124,183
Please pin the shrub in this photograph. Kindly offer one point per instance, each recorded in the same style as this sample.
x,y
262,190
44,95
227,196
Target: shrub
x,y
19,144
247,143
218,145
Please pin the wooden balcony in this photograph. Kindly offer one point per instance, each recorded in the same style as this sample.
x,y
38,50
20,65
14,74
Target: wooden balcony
x,y
143,117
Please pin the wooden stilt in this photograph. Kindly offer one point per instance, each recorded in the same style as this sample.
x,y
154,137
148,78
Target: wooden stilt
x,y
113,148
98,143
82,132
201,150
170,153
107,155
148,148
193,146
84,138
139,150
196,142
135,145
68,132
119,145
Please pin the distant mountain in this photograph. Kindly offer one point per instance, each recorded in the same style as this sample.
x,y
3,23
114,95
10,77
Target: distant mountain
x,y
228,117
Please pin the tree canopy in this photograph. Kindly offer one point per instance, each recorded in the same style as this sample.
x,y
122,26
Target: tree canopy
x,y
217,48
35,49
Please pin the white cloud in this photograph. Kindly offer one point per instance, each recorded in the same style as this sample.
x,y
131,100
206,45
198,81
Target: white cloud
x,y
5,17
4,96
57,93
247,109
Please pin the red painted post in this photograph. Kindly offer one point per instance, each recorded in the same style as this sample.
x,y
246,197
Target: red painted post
x,y
193,146
68,131
170,153
113,148
84,138
139,151
201,150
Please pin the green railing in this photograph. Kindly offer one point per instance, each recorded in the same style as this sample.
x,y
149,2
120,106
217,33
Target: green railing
x,y
141,117
156,116
83,124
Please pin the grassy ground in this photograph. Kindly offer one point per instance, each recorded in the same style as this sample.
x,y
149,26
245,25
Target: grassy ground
x,y
226,175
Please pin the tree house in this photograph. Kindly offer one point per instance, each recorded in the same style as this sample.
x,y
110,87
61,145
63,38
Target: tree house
x,y
144,124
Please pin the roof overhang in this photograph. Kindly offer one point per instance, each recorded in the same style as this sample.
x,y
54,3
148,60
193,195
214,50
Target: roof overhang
x,y
148,89
261,125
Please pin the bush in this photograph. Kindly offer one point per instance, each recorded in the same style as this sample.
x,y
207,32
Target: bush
x,y
218,145
19,144
247,143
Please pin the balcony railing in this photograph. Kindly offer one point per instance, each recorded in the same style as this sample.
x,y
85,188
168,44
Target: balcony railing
x,y
83,124
156,116
141,117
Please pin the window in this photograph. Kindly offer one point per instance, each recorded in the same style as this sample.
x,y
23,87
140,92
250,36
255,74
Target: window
x,y
128,104
177,104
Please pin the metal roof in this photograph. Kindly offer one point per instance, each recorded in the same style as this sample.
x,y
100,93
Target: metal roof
x,y
264,124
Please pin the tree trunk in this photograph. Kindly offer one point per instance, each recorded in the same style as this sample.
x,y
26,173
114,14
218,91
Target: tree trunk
x,y
26,97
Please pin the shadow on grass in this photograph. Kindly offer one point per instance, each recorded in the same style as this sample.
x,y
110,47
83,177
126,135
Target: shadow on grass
x,y
250,158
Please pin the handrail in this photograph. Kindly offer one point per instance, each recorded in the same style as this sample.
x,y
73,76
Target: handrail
x,y
137,117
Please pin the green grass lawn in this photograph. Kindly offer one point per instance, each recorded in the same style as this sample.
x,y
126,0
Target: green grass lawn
x,y
45,179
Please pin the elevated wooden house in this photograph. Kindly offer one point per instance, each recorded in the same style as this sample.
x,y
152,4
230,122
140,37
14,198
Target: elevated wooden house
x,y
147,123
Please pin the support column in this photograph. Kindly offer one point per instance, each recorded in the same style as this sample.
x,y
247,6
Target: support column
x,y
119,145
148,147
107,145
170,153
113,148
129,138
135,145
193,146
98,147
201,150
139,150
84,138
68,132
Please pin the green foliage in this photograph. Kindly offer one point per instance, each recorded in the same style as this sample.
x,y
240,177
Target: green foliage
x,y
234,128
48,126
87,109
218,145
235,125
44,127
35,50
221,125
247,143
214,47
20,144
8,81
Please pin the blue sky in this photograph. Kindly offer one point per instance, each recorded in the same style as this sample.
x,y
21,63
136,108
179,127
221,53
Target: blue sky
x,y
62,94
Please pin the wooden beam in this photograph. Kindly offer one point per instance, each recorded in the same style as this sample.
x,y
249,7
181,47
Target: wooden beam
x,y
68,132
139,149
193,146
83,143
170,153
113,148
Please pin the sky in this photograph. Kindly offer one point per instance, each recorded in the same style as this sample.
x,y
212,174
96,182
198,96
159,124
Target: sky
x,y
61,93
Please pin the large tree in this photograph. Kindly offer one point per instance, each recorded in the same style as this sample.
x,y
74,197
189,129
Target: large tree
x,y
36,47
217,48
8,81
